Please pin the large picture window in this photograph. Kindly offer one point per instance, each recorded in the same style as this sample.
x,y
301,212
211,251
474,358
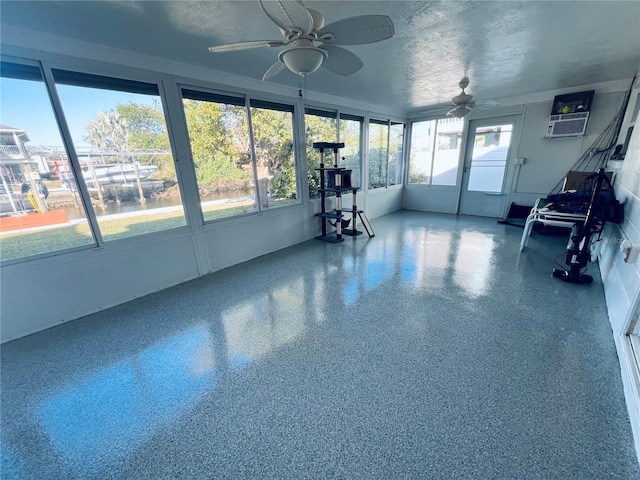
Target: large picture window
x,y
435,151
37,213
120,136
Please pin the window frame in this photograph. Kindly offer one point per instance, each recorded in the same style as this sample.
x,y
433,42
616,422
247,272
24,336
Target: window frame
x,y
389,123
323,113
400,164
375,121
245,100
292,108
214,96
67,145
126,77
430,184
354,118
80,66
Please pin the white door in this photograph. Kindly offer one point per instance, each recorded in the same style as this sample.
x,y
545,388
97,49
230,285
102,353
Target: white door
x,y
485,164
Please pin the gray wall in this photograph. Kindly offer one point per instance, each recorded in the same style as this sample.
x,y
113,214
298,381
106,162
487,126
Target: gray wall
x,y
549,159
622,280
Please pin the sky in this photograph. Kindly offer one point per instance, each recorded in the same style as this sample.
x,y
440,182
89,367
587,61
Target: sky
x,y
25,105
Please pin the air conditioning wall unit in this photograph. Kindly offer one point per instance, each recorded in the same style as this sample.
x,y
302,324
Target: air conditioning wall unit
x,y
567,125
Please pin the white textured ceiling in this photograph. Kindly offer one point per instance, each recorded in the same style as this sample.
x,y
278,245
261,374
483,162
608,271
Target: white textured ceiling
x,y
506,48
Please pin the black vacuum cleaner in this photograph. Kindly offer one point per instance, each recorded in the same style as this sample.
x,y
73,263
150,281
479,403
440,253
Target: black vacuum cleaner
x,y
603,207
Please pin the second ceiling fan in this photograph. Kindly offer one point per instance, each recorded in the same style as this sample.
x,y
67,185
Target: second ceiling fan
x,y
311,44
463,103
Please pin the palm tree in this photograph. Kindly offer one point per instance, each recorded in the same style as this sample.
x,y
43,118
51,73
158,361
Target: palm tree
x,y
108,131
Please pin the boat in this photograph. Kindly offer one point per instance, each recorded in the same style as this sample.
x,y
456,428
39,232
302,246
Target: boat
x,y
106,168
108,174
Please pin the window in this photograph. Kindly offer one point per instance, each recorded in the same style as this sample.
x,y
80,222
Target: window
x,y
435,151
120,136
219,137
272,126
386,151
350,134
38,215
396,140
489,161
320,126
378,153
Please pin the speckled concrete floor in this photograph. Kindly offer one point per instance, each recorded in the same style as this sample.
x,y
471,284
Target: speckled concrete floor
x,y
433,350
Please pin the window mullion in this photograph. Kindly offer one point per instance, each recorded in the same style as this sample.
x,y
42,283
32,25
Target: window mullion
x,y
183,158
388,152
252,151
433,150
299,141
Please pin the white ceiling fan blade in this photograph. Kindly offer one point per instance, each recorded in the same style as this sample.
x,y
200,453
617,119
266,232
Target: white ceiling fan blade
x,y
288,15
232,47
359,30
341,60
274,70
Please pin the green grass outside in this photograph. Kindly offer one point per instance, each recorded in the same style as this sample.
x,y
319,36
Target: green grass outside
x,y
25,244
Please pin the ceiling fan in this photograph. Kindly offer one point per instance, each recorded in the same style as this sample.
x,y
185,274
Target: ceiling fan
x,y
463,103
310,43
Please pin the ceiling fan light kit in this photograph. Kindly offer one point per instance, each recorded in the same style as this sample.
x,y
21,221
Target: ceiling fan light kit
x,y
315,45
460,112
303,60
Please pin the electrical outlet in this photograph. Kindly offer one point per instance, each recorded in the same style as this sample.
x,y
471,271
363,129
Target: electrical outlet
x,y
631,254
